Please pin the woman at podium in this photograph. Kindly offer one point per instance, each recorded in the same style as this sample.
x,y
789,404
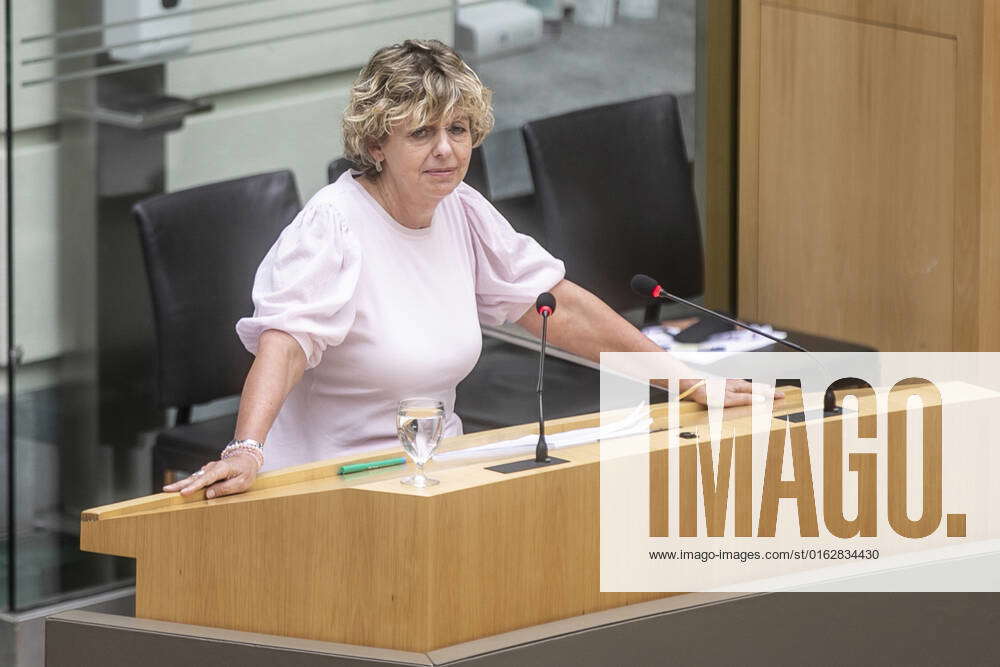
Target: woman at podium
x,y
376,290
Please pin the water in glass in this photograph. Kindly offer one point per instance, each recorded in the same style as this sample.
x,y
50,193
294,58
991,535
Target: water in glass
x,y
420,424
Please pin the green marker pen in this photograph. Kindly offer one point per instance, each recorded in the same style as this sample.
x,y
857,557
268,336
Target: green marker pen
x,y
371,465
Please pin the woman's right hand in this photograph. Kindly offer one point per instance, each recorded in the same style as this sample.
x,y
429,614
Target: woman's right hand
x,y
278,366
233,474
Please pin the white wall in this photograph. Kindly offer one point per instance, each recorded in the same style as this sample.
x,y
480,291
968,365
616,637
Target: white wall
x,y
296,126
34,106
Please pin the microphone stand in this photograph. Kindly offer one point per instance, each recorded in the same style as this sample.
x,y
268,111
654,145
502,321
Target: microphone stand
x,y
830,406
667,295
545,306
542,448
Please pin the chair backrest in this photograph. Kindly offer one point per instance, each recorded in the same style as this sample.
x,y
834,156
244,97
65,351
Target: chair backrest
x,y
475,176
202,248
616,196
336,168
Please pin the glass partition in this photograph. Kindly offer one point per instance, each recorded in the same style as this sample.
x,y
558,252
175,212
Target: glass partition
x,y
114,101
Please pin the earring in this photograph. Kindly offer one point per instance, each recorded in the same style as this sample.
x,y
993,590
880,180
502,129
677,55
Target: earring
x,y
378,166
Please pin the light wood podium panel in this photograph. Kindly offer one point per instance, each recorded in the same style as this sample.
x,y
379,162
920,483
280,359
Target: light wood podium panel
x,y
363,559
870,170
366,560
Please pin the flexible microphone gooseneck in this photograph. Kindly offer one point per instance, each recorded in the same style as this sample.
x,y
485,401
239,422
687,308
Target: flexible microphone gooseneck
x,y
645,286
545,305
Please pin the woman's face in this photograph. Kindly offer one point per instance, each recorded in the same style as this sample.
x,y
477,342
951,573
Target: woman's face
x,y
426,161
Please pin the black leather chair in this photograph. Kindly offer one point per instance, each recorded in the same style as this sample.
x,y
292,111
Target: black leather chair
x,y
616,196
202,247
336,168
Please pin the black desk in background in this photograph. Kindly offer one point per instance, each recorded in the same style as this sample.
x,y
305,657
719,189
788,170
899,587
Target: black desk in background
x,y
500,391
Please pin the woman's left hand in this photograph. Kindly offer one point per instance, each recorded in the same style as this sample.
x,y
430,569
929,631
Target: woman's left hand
x,y
738,392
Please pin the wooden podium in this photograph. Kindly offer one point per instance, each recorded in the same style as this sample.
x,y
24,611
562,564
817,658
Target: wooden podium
x,y
366,560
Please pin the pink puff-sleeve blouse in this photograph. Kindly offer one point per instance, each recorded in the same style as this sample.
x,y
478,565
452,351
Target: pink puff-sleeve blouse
x,y
384,312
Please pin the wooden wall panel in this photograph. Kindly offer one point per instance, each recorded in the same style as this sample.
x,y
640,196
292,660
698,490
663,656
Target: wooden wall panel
x,y
989,296
864,209
715,146
857,132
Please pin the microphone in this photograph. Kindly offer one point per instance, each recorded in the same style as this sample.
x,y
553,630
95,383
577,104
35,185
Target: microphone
x,y
646,286
545,305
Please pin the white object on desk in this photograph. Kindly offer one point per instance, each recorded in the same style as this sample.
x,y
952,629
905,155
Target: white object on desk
x,y
637,422
594,13
714,348
551,9
644,10
497,28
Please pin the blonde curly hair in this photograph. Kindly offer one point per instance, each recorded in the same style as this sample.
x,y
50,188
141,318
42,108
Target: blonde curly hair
x,y
418,82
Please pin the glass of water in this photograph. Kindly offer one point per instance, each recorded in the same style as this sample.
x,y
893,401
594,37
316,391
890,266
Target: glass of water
x,y
420,424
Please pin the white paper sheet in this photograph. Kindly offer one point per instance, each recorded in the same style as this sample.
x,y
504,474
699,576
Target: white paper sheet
x,y
638,421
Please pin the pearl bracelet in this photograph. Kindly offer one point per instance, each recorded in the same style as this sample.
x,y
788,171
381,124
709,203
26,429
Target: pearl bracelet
x,y
238,447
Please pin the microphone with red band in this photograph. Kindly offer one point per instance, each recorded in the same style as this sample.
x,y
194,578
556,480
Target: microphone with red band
x,y
545,305
649,287
646,286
